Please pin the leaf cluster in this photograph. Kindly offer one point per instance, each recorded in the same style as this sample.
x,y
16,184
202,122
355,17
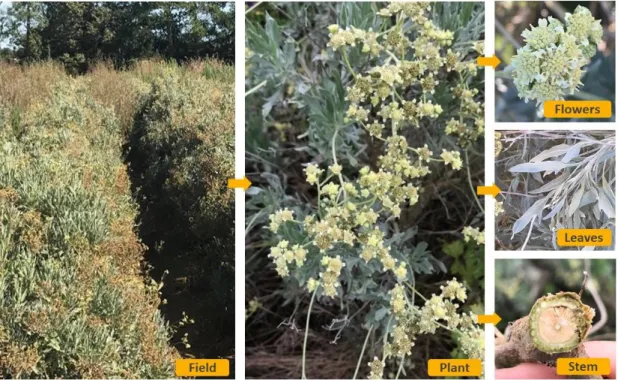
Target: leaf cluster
x,y
554,180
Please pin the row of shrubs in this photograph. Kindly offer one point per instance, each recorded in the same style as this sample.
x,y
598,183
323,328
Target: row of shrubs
x,y
76,300
181,151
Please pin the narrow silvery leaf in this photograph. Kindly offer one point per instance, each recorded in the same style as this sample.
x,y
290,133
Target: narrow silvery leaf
x,y
596,211
554,151
556,209
609,193
535,167
575,201
605,205
572,152
551,185
533,211
577,222
589,197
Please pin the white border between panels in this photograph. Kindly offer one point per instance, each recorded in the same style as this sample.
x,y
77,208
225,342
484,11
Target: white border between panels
x,y
239,244
491,255
489,368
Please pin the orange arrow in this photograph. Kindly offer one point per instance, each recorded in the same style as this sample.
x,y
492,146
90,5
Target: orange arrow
x,y
492,190
493,319
492,61
243,183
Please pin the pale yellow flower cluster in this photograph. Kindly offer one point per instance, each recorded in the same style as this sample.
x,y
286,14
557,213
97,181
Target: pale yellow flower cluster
x,y
283,255
312,284
380,86
470,109
374,248
278,218
454,290
330,275
438,310
376,369
254,305
335,169
400,343
313,173
351,36
474,234
497,143
349,217
398,300
499,208
452,158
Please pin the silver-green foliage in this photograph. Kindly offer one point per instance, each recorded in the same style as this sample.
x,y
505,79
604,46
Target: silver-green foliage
x,y
297,90
565,180
72,302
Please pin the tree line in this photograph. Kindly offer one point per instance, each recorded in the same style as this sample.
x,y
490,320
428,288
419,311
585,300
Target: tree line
x,y
79,34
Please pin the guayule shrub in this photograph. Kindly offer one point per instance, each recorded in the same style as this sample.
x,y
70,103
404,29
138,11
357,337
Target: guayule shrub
x,y
554,180
183,142
402,73
71,285
181,150
550,65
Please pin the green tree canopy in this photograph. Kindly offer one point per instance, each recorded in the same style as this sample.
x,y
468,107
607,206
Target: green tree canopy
x,y
79,33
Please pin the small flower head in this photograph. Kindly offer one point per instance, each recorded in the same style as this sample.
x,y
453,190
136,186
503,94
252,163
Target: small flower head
x,y
313,173
499,209
376,369
454,290
401,272
312,284
474,234
330,275
452,158
335,169
278,218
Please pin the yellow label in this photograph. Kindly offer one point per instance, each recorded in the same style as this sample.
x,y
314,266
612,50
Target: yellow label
x,y
454,367
583,366
202,367
598,109
584,237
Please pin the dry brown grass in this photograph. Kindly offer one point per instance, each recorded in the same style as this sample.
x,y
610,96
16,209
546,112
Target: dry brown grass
x,y
147,69
22,86
119,90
